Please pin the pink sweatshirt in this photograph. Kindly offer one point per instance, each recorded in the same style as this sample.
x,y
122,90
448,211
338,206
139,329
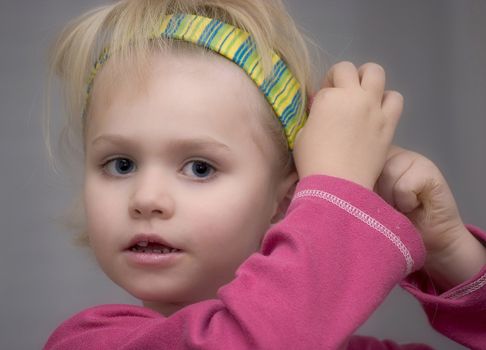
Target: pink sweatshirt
x,y
320,274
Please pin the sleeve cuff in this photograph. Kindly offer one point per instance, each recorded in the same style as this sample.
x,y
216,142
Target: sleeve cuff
x,y
422,287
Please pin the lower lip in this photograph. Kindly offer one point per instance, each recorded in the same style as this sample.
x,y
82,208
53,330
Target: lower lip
x,y
151,259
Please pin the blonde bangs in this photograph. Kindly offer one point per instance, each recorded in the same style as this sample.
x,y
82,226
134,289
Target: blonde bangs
x,y
126,27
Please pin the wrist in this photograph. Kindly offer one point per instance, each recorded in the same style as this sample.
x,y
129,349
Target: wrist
x,y
356,177
457,263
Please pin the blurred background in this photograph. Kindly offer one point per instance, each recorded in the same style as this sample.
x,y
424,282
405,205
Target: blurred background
x,y
434,52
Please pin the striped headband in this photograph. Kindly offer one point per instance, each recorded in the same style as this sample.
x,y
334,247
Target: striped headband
x,y
280,88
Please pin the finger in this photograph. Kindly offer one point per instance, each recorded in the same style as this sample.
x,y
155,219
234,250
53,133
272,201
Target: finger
x,y
341,75
394,168
392,107
372,78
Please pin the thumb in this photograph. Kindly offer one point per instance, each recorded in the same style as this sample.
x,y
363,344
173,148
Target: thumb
x,y
413,189
417,203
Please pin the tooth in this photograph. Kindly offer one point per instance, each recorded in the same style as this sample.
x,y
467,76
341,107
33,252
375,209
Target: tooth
x,y
134,249
157,251
165,250
142,244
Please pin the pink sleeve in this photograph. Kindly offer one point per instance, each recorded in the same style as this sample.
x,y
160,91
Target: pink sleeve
x,y
359,342
320,274
459,313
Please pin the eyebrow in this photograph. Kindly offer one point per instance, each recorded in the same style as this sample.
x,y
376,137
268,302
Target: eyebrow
x,y
194,143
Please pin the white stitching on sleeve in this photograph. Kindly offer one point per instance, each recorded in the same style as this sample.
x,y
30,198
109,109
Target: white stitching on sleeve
x,y
370,221
467,289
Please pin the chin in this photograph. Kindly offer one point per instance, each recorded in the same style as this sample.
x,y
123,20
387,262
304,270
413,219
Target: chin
x,y
159,294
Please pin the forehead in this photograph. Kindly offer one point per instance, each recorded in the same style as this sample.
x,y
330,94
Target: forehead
x,y
200,90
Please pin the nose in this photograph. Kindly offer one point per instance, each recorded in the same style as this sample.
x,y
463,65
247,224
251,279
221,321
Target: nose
x,y
151,198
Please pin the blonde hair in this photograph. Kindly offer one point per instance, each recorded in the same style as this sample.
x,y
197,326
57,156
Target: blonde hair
x,y
126,27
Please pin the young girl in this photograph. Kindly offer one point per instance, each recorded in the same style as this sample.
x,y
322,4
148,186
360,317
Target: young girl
x,y
237,226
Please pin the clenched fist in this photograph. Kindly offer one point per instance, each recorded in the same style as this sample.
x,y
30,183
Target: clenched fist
x,y
416,187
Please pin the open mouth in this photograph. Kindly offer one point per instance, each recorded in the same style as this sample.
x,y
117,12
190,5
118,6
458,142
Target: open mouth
x,y
152,248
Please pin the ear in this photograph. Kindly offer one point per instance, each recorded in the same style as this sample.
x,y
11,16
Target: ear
x,y
285,192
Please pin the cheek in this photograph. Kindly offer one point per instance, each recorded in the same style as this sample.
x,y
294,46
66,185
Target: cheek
x,y
102,207
102,222
232,221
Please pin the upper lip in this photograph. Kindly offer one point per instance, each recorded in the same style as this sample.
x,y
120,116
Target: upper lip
x,y
150,238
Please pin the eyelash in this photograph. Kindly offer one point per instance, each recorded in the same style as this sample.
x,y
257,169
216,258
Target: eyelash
x,y
104,165
213,170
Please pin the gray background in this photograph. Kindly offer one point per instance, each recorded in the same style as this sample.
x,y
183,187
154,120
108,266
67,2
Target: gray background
x,y
434,52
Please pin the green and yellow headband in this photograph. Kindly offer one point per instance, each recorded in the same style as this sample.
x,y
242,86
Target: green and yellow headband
x,y
280,88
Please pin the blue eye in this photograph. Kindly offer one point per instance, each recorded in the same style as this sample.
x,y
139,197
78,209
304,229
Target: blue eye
x,y
199,169
119,166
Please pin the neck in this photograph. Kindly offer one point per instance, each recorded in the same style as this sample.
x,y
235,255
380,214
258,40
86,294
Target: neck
x,y
165,309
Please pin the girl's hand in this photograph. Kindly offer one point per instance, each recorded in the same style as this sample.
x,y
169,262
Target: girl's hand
x,y
415,186
350,127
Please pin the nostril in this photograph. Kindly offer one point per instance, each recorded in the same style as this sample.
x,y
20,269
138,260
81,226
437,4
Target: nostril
x,y
153,211
157,208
